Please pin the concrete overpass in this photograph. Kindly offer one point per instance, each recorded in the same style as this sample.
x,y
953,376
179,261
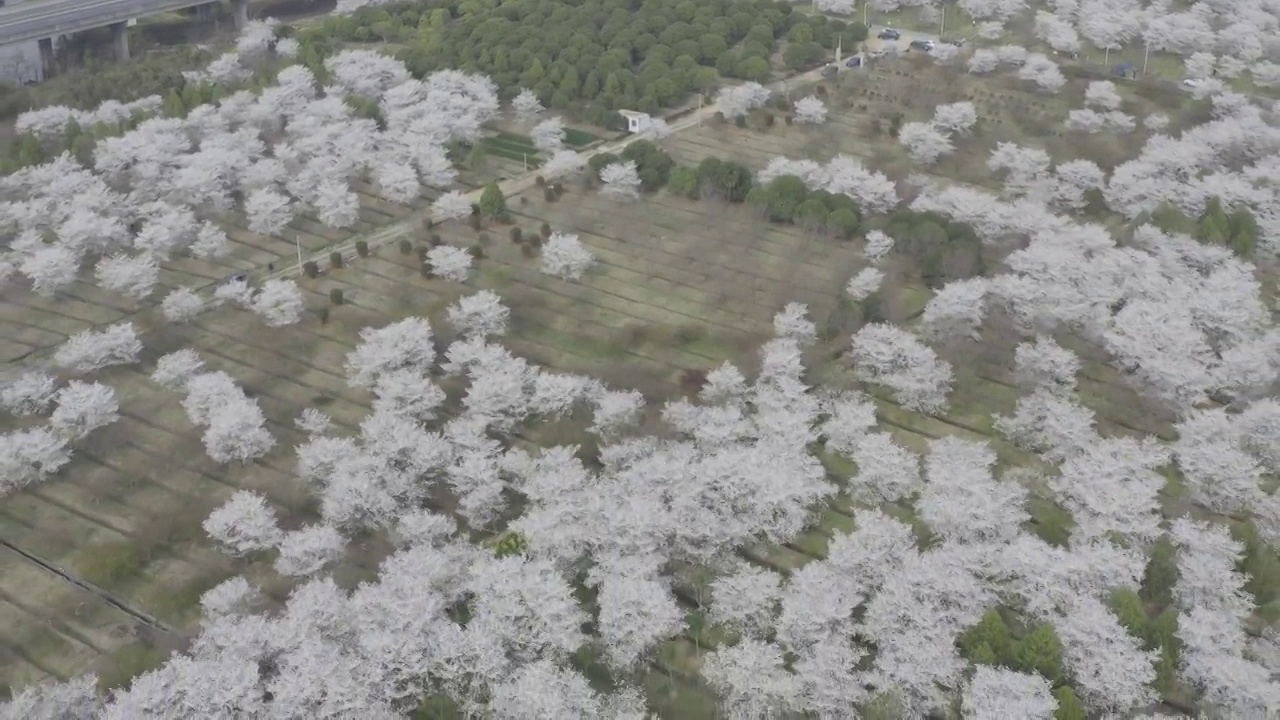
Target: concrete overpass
x,y
45,20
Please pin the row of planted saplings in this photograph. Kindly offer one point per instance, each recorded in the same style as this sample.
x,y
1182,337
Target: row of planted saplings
x,y
529,243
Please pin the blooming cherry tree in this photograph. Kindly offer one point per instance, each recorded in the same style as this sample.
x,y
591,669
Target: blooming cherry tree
x,y
793,323
244,524
235,432
181,305
279,302
87,350
452,205
548,135
29,456
231,597
50,268
995,693
878,247
82,408
307,551
564,256
621,179
746,599
1112,672
924,142
132,275
1102,94
449,262
176,368
810,111
955,118
313,422
526,105
893,357
636,613
403,345
481,314
31,393
738,100
563,164
269,211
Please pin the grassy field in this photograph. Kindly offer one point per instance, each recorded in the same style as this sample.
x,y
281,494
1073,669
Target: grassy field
x,y
680,286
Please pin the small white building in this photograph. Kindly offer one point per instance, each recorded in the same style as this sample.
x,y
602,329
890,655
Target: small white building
x,y
637,122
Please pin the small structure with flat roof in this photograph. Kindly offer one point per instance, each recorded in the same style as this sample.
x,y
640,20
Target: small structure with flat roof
x,y
637,122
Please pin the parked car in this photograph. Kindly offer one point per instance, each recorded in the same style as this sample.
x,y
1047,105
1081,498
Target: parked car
x,y
957,42
853,62
922,45
889,34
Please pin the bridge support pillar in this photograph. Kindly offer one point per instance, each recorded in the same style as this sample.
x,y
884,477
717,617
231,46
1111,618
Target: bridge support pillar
x,y
120,35
48,60
240,11
206,12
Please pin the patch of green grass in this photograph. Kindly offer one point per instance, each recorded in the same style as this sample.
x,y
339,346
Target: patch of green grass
x,y
126,663
511,138
578,138
517,154
1050,522
110,564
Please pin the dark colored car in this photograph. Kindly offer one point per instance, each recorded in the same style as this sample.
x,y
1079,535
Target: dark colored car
x,y
957,42
922,45
889,34
853,62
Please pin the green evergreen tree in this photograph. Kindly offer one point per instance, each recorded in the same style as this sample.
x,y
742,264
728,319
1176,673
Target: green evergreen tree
x,y
1069,707
173,105
1040,651
1161,574
991,632
492,202
983,655
1128,608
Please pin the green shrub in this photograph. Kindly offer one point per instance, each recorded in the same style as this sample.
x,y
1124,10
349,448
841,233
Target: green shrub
x,y
1040,651
335,259
492,202
691,333
684,182
406,247
310,269
336,296
362,248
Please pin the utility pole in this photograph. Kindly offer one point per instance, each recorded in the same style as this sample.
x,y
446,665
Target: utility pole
x,y
1146,55
297,244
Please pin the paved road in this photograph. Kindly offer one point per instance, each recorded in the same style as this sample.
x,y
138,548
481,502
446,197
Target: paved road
x,y
38,19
